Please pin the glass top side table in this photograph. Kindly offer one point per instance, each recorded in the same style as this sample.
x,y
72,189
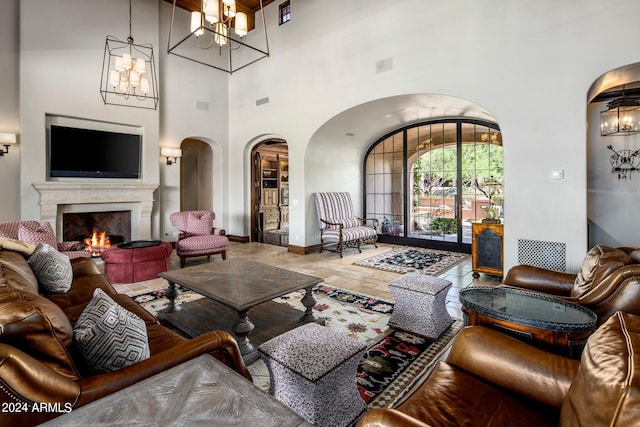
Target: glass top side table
x,y
547,322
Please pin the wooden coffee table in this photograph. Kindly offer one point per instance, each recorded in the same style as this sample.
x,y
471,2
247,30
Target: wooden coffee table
x,y
240,285
546,322
201,391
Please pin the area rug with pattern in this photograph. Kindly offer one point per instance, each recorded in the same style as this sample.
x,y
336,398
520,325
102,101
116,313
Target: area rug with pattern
x,y
394,360
414,260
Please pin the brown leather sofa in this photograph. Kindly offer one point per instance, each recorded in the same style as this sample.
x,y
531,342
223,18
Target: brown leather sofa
x,y
608,281
491,379
39,363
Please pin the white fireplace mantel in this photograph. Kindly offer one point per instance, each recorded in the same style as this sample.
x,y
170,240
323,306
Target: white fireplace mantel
x,y
57,198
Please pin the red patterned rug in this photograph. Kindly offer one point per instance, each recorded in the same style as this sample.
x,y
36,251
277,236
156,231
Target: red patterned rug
x,y
394,360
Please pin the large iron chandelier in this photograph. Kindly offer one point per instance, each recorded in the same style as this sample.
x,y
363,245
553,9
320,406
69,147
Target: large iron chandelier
x,y
215,34
129,73
622,116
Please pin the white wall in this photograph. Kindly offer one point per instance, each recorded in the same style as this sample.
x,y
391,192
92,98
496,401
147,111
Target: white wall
x,y
61,51
183,83
530,64
61,55
9,109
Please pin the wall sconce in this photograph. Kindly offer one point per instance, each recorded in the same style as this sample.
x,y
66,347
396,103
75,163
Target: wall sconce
x,y
172,154
6,139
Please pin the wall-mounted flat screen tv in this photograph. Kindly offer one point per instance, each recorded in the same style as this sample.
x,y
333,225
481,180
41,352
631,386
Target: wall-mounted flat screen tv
x,y
87,153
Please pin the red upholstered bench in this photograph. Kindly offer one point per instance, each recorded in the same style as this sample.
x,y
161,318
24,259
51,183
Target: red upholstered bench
x,y
124,265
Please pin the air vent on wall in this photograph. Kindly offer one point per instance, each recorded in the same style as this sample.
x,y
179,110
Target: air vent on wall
x,y
547,255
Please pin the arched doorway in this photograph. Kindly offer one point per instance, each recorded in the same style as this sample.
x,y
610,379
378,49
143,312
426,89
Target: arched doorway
x,y
426,183
613,160
270,192
196,176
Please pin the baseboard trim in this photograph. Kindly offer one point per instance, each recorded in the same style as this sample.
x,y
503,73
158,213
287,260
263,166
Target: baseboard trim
x,y
241,239
303,250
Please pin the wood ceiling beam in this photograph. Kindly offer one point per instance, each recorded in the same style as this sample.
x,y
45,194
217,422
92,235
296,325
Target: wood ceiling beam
x,y
250,7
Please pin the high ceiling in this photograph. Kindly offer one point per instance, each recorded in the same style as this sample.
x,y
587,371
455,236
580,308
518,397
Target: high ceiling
x,y
250,7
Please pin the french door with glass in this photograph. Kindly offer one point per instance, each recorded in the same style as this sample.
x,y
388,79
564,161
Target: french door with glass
x,y
427,183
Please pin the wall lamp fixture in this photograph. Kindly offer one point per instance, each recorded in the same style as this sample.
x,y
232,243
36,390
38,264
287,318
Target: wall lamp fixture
x,y
172,154
6,139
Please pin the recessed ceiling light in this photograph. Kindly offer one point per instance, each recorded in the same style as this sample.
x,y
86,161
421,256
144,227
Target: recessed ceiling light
x,y
388,116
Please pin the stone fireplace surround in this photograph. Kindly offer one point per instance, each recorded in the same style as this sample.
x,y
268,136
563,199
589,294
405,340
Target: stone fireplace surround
x,y
58,198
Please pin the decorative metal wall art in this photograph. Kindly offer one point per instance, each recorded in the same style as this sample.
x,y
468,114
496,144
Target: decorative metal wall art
x,y
623,162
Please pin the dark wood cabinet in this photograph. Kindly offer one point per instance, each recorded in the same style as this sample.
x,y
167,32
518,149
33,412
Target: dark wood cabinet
x,y
486,248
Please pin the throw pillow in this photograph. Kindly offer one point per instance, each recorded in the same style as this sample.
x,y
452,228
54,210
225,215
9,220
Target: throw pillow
x,y
52,269
604,391
42,233
25,248
33,324
108,336
199,223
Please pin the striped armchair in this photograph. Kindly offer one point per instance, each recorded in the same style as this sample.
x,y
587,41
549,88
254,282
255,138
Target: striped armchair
x,y
339,225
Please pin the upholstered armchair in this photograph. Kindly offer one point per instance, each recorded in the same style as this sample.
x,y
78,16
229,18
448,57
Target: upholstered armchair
x,y
36,232
339,225
608,281
196,235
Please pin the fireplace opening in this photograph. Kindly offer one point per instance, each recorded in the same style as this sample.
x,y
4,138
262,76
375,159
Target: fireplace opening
x,y
78,226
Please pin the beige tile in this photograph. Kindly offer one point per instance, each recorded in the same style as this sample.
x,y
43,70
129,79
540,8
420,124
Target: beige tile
x,y
341,273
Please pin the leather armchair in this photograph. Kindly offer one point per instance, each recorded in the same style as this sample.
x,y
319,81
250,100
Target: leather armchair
x,y
491,379
608,281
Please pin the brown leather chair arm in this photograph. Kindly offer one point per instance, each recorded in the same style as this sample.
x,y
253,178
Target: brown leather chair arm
x,y
620,291
84,267
540,280
216,342
25,379
388,417
513,365
609,285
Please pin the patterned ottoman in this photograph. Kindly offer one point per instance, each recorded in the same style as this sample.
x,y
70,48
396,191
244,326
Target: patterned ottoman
x,y
420,305
313,371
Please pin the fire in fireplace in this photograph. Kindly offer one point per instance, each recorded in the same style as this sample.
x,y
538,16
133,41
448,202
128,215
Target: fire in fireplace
x,y
97,243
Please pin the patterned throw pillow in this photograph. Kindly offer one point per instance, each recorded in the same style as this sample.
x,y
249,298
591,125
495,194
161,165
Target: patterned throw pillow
x,y
40,234
200,223
51,268
108,336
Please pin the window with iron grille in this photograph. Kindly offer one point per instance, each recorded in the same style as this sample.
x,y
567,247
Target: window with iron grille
x,y
285,12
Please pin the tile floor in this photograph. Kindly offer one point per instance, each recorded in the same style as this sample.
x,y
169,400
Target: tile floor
x,y
336,271
341,273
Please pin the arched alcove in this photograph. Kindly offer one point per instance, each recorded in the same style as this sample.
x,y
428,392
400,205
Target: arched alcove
x,y
336,150
613,182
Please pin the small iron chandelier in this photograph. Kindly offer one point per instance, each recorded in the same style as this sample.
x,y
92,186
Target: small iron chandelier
x,y
622,116
208,40
128,73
